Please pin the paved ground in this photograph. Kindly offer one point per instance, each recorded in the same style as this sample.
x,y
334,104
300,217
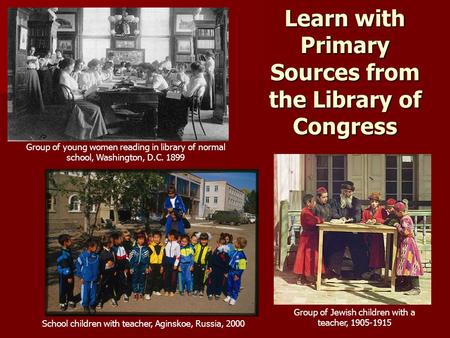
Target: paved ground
x,y
288,292
161,304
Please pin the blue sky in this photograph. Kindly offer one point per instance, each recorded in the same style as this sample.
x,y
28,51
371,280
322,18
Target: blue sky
x,y
238,179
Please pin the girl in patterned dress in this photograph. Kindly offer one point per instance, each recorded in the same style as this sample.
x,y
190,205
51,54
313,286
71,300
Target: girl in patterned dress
x,y
409,264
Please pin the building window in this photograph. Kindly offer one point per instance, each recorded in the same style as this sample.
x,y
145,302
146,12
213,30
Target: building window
x,y
216,200
331,171
74,203
400,177
216,188
207,188
195,190
155,33
51,202
96,35
182,187
207,199
93,209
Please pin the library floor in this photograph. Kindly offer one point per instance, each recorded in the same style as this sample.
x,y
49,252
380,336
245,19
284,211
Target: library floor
x,y
49,127
287,292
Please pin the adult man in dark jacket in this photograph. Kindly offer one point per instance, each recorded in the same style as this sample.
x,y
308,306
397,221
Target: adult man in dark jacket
x,y
347,208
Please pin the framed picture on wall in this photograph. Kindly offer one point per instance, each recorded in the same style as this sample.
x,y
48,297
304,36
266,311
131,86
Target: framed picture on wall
x,y
65,45
184,46
23,38
126,44
67,22
184,23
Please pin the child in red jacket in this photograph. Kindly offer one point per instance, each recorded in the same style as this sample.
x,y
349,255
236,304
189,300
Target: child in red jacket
x,y
375,214
307,255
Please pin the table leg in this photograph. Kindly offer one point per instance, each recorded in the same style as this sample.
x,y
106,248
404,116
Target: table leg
x,y
155,120
319,261
394,258
386,258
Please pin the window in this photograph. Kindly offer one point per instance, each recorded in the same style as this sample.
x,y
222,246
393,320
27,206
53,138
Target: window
x,y
50,202
216,188
155,33
400,177
216,200
331,171
93,209
182,186
195,190
95,35
207,188
74,204
207,199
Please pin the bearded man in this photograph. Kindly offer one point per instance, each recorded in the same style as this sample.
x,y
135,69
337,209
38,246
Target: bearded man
x,y
347,208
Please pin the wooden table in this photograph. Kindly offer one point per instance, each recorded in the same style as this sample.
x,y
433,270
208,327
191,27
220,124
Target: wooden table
x,y
148,98
358,228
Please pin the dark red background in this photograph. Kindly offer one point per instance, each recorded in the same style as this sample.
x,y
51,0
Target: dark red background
x,y
258,39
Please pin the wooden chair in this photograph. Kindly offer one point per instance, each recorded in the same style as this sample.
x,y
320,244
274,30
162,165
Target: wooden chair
x,y
195,109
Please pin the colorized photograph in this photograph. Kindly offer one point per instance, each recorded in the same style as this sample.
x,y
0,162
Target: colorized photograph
x,y
352,229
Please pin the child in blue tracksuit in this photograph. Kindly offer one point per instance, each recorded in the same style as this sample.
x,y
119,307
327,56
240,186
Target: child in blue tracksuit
x,y
218,264
139,258
88,271
174,205
186,265
66,269
238,263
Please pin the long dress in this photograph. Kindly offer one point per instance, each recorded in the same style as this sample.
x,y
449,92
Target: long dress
x,y
86,121
375,241
306,261
208,99
408,256
34,93
46,81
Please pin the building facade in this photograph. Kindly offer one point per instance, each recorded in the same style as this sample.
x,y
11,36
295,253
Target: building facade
x,y
65,210
219,195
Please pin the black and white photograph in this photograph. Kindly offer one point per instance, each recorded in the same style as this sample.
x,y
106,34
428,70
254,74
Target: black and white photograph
x,y
113,74
151,242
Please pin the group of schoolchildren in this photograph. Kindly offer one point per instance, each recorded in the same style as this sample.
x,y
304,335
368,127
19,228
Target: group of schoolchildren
x,y
317,209
120,267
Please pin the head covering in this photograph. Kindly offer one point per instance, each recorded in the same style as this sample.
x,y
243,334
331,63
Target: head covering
x,y
348,185
321,190
375,196
391,202
400,206
141,235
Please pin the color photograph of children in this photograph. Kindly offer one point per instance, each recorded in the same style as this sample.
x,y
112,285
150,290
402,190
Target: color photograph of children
x,y
352,229
174,242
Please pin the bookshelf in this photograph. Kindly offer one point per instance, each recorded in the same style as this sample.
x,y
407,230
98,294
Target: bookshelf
x,y
41,35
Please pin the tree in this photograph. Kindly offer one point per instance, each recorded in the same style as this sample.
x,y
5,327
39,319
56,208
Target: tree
x,y
113,188
250,202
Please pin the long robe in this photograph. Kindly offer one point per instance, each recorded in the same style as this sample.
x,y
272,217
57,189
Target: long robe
x,y
306,261
375,241
408,256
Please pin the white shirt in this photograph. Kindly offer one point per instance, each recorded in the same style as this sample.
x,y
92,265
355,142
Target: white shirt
x,y
158,82
194,84
172,249
172,201
69,81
